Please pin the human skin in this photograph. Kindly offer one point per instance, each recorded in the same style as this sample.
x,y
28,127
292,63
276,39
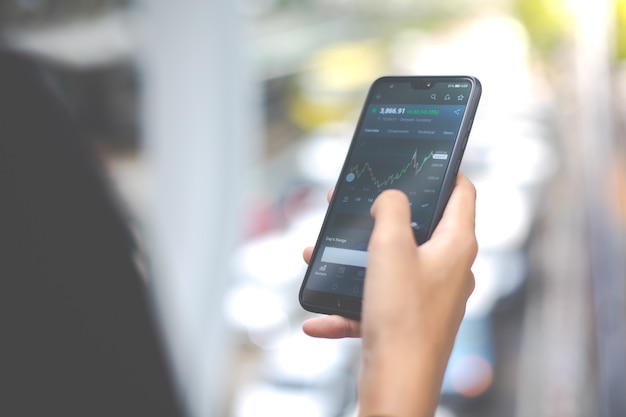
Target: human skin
x,y
413,303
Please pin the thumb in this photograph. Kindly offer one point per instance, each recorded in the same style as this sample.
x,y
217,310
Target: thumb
x,y
390,245
392,224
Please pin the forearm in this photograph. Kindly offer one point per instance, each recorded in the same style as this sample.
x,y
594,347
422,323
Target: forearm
x,y
401,383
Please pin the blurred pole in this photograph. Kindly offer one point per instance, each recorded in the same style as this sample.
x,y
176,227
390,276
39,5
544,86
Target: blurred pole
x,y
595,31
200,129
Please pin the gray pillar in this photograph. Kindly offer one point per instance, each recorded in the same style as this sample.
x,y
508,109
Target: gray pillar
x,y
199,124
595,34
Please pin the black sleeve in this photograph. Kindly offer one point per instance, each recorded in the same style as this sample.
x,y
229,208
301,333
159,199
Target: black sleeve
x,y
77,335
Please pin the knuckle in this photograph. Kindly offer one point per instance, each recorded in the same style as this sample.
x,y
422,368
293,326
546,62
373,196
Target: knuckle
x,y
471,284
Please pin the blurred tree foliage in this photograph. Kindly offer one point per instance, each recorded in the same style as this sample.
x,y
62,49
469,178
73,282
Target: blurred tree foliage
x,y
620,30
548,23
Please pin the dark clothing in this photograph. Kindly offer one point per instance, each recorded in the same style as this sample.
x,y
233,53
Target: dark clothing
x,y
77,335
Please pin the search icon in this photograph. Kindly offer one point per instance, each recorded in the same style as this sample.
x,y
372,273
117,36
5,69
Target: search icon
x,y
433,96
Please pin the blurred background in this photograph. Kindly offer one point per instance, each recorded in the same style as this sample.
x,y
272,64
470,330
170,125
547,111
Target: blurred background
x,y
224,124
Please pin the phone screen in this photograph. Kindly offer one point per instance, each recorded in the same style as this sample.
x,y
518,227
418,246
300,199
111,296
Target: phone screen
x,y
410,136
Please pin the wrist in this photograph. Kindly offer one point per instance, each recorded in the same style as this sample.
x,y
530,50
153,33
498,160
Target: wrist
x,y
401,382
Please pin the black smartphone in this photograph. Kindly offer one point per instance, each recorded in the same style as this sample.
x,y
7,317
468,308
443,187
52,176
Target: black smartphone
x,y
410,136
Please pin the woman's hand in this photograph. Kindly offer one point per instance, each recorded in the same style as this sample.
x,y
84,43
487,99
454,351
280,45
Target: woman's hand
x,y
413,303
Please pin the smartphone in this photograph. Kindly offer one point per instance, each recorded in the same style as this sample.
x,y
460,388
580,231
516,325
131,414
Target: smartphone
x,y
410,136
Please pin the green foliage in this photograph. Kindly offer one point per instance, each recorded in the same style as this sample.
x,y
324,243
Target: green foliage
x,y
547,21
620,30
